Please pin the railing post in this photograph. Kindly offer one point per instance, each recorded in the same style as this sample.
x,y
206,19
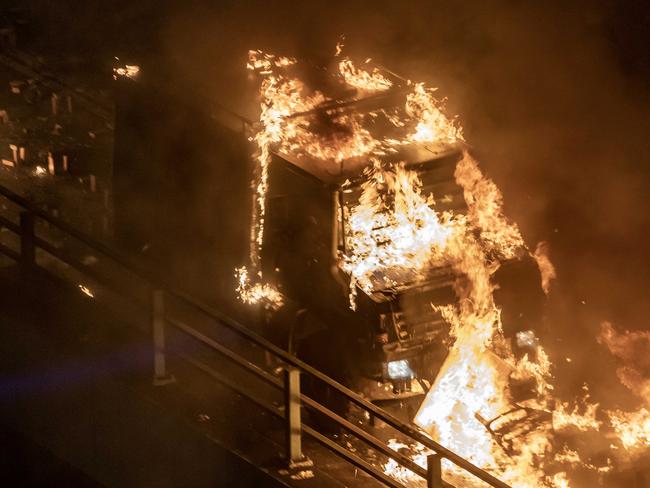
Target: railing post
x,y
160,375
292,414
434,471
27,244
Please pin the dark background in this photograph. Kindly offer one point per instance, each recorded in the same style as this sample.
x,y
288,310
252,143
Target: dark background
x,y
554,96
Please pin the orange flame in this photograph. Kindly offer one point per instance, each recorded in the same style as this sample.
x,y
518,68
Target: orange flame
x,y
431,123
254,293
546,268
394,236
361,79
284,130
633,349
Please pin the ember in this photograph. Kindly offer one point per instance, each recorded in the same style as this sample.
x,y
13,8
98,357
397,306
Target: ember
x,y
128,71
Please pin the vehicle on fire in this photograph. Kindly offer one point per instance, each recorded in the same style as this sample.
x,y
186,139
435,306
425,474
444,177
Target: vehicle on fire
x,y
182,192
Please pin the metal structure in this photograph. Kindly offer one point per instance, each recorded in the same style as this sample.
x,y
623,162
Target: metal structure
x,y
160,291
30,67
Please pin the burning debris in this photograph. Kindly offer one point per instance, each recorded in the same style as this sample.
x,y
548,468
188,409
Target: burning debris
x,y
633,349
361,79
255,293
490,401
86,291
127,70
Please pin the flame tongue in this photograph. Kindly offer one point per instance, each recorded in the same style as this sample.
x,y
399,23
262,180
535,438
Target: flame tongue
x,y
362,79
633,349
472,387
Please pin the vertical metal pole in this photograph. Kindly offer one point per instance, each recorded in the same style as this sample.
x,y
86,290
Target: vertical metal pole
x,y
27,245
434,471
292,414
160,376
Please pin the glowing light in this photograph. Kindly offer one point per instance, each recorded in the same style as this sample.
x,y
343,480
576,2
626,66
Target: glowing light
x,y
633,349
362,79
394,237
86,291
399,369
254,293
127,71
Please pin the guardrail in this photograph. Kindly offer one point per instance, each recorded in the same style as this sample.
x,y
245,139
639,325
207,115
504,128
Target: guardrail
x,y
294,367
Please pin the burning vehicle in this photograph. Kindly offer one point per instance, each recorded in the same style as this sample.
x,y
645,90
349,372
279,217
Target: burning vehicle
x,y
347,227
374,248
400,183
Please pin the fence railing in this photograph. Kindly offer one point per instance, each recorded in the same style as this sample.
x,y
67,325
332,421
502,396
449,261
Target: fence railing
x,y
289,384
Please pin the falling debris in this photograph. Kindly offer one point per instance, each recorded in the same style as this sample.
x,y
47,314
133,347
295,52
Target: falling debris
x,y
86,291
127,71
252,293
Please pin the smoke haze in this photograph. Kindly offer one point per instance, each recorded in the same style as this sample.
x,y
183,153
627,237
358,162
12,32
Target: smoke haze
x,y
553,96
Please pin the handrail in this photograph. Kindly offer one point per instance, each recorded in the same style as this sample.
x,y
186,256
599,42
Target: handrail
x,y
272,380
328,443
242,330
17,62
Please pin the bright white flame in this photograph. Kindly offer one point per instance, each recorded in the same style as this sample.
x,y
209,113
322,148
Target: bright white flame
x,y
86,291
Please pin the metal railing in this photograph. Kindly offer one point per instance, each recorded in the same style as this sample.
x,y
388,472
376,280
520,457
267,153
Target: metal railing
x,y
294,367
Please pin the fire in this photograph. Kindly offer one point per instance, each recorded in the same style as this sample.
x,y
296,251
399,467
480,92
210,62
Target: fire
x,y
633,349
572,458
361,79
86,291
394,236
485,204
128,71
632,428
566,418
257,293
286,128
258,60
417,453
471,392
